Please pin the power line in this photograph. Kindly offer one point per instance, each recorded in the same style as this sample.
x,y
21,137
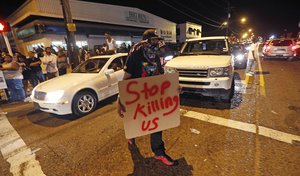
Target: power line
x,y
217,26
212,1
211,11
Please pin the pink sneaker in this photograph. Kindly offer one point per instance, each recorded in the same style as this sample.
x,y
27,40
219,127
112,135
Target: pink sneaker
x,y
166,160
131,141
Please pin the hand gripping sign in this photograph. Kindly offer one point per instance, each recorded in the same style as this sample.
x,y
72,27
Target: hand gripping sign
x,y
152,104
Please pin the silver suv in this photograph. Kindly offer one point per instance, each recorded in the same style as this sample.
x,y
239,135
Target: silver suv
x,y
280,48
205,66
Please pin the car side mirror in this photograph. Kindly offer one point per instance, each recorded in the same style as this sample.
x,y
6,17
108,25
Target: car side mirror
x,y
109,71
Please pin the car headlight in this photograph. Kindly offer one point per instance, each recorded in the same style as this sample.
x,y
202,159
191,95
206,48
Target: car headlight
x,y
220,71
239,57
167,58
54,96
170,69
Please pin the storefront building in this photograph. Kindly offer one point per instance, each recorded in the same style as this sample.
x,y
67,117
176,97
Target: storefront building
x,y
40,22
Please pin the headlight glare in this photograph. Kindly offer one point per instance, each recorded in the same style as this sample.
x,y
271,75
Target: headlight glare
x,y
54,96
240,57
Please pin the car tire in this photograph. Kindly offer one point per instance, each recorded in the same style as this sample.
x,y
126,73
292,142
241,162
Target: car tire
x,y
227,98
83,103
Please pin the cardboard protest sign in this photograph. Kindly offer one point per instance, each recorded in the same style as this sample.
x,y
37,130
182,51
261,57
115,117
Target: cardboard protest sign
x,y
2,81
152,104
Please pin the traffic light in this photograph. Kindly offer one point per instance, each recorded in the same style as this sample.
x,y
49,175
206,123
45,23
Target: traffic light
x,y
4,26
1,27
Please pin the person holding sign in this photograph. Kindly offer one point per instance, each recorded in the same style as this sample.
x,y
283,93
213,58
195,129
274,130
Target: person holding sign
x,y
144,61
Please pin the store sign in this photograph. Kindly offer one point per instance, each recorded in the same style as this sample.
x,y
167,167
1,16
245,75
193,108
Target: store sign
x,y
2,81
152,104
193,31
137,17
166,35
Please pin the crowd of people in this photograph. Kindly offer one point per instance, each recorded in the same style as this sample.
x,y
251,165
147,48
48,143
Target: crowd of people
x,y
22,73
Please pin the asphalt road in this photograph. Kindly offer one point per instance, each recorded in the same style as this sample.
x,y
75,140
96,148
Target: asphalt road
x,y
256,134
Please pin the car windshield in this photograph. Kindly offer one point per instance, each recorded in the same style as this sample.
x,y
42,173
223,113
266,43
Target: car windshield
x,y
237,49
91,66
281,42
206,47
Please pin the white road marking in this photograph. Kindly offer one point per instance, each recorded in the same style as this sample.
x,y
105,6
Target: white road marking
x,y
21,158
248,127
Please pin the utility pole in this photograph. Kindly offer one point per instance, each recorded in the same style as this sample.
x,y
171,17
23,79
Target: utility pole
x,y
71,28
228,17
4,34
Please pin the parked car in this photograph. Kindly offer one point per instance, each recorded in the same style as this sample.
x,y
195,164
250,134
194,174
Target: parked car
x,y
205,66
78,92
239,54
280,48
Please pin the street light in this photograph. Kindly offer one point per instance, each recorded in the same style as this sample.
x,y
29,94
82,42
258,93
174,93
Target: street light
x,y
224,23
243,20
245,35
250,30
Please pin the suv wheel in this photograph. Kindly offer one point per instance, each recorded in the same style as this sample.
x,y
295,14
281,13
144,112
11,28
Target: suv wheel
x,y
227,98
84,103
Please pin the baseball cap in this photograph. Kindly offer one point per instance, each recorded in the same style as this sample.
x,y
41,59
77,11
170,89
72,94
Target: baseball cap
x,y
150,34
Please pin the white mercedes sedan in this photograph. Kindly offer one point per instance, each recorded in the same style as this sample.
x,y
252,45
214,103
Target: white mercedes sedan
x,y
78,92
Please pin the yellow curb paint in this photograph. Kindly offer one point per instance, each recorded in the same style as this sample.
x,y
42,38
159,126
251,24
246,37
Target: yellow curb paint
x,y
262,89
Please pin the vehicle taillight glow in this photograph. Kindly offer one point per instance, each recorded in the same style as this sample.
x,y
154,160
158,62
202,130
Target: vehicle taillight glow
x,y
294,47
268,48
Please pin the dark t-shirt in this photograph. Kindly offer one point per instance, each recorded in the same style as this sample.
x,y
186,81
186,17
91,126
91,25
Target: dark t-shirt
x,y
143,61
37,68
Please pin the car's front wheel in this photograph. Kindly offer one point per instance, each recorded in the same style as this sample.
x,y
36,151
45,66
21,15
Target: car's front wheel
x,y
83,103
227,98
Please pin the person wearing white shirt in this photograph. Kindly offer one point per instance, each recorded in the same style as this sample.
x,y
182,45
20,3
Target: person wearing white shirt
x,y
252,57
50,60
111,44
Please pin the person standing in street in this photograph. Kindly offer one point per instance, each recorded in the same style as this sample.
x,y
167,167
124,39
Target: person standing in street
x,y
50,60
26,71
62,63
110,43
36,70
143,61
12,72
252,57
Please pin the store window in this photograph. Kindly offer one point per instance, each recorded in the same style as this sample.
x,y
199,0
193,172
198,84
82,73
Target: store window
x,y
81,44
35,46
57,45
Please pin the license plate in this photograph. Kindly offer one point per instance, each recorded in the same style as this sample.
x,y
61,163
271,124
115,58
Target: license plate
x,y
280,50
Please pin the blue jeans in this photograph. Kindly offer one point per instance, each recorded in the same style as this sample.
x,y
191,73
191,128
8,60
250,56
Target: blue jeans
x,y
36,78
15,86
250,65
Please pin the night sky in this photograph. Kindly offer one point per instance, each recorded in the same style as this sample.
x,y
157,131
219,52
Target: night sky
x,y
265,17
